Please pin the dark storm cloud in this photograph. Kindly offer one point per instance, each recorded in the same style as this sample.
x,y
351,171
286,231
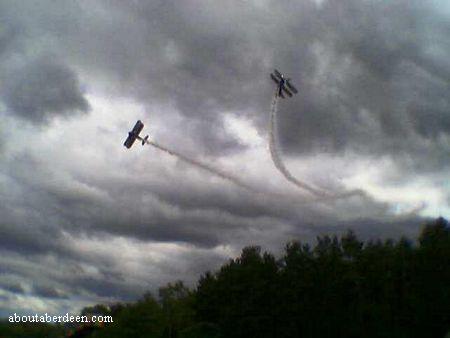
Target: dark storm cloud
x,y
22,227
369,82
384,92
42,89
8,35
46,209
366,229
192,213
46,291
198,215
12,287
354,62
28,239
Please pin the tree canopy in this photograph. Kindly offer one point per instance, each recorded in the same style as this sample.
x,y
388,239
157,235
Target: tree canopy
x,y
341,287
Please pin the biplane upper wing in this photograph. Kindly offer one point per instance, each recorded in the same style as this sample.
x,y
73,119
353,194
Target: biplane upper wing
x,y
274,78
278,74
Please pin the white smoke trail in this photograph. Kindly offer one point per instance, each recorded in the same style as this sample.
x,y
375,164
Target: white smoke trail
x,y
319,194
203,166
276,158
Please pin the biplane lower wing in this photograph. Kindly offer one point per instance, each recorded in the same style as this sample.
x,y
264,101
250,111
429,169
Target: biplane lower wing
x,y
285,90
291,87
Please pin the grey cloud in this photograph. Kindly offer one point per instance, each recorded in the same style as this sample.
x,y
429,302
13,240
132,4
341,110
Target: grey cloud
x,y
13,287
204,61
8,36
382,94
147,209
43,89
46,291
366,102
365,229
369,83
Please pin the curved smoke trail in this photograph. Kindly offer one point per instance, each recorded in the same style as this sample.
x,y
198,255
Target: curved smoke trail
x,y
321,195
203,166
276,159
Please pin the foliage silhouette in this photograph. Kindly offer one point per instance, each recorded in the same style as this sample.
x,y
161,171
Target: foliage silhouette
x,y
341,287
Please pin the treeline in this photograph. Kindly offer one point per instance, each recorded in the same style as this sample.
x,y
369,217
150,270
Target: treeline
x,y
341,287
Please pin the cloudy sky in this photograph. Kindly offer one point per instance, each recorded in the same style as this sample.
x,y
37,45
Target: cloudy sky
x,y
84,220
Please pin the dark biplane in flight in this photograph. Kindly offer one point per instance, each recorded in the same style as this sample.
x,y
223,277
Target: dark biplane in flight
x,y
284,84
134,134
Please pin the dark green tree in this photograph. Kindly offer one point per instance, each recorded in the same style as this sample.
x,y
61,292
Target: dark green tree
x,y
243,296
177,305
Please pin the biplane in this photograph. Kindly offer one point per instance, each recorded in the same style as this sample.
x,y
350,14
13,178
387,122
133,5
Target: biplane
x,y
133,135
285,85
